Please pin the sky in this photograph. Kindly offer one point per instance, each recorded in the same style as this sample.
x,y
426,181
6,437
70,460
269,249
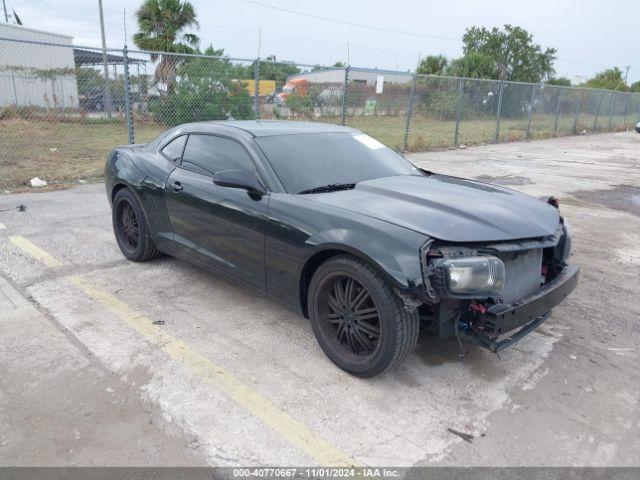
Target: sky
x,y
589,35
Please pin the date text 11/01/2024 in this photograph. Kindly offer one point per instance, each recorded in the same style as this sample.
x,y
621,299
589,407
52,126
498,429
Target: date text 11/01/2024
x,y
320,472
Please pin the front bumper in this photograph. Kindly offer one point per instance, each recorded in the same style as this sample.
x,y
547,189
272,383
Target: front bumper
x,y
503,325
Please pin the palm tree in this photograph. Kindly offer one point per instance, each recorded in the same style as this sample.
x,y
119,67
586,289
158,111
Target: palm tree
x,y
161,25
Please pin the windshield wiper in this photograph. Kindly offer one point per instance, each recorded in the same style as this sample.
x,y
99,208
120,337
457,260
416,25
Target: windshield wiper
x,y
332,187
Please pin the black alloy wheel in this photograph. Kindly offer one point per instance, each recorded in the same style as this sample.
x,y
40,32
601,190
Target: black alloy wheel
x,y
129,225
131,229
358,320
350,315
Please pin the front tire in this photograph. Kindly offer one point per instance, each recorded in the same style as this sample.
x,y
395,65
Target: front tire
x,y
131,228
358,320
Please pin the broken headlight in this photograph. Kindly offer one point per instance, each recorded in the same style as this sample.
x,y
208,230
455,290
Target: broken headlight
x,y
472,276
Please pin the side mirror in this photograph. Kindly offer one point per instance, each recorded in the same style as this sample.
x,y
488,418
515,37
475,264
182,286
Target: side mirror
x,y
244,179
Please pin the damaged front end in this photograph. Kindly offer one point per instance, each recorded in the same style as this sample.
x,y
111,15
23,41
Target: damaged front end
x,y
495,294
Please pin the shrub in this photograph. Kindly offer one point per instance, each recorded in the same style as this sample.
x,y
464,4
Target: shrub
x,y
301,106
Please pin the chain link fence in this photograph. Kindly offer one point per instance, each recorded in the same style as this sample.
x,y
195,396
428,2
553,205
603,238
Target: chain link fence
x,y
62,109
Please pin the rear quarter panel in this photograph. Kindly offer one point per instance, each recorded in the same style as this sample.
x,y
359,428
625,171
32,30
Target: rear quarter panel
x,y
144,173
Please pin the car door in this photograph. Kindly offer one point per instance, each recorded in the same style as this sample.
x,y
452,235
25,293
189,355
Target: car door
x,y
222,226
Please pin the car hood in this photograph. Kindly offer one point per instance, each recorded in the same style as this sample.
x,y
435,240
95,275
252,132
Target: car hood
x,y
448,208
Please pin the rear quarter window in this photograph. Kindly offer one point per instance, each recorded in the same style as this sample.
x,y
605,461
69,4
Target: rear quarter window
x,y
173,150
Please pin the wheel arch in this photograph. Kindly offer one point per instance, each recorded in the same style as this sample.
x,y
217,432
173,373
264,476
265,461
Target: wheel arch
x,y
121,185
116,188
325,253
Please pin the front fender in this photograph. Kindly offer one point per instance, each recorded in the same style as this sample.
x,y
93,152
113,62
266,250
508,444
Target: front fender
x,y
394,254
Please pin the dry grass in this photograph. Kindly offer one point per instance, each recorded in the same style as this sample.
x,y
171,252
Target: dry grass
x,y
67,152
432,134
60,152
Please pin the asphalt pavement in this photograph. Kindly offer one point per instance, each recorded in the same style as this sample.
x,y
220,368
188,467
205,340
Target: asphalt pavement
x,y
107,362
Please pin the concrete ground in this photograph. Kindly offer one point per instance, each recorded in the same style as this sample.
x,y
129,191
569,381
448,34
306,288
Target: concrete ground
x,y
106,362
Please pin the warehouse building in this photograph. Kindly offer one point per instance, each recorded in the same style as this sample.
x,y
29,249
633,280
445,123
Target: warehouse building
x,y
361,75
34,74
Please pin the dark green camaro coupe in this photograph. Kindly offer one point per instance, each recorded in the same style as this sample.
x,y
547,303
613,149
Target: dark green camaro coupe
x,y
331,222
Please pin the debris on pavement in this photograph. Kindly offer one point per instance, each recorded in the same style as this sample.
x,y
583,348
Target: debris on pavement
x,y
158,322
467,437
37,182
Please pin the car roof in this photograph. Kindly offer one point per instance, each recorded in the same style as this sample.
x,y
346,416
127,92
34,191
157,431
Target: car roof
x,y
263,128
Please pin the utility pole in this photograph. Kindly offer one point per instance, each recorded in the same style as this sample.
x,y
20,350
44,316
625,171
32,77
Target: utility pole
x,y
6,16
107,90
259,41
626,74
256,78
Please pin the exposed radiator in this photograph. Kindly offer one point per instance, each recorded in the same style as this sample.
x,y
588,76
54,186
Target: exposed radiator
x,y
523,273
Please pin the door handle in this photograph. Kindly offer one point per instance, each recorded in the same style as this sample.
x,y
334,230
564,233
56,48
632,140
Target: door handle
x,y
177,187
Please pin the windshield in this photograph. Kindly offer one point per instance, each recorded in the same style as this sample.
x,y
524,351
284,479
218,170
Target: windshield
x,y
310,160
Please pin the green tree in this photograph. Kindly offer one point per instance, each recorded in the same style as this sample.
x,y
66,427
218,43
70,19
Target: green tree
x,y
611,79
559,81
473,65
514,54
433,65
162,25
271,69
635,87
208,89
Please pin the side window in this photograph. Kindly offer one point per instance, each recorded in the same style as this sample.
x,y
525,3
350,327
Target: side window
x,y
173,149
208,154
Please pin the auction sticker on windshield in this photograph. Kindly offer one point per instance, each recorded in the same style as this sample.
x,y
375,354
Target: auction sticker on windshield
x,y
370,142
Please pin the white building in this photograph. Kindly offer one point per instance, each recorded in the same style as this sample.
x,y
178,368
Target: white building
x,y
360,75
34,74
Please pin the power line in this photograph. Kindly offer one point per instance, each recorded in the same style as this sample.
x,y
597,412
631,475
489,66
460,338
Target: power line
x,y
379,29
350,24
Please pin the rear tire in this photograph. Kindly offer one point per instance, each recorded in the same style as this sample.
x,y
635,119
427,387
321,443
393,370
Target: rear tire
x,y
358,320
131,228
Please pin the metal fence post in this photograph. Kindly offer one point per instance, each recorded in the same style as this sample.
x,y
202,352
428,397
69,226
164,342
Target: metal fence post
x,y
624,110
127,96
500,91
256,89
595,120
407,125
613,101
345,96
577,114
456,134
557,114
139,84
531,102
15,90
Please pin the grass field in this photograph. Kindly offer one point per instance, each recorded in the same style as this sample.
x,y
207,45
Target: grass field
x,y
68,152
61,153
431,134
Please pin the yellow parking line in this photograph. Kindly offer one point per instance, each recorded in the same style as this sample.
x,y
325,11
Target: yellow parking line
x,y
294,431
35,251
